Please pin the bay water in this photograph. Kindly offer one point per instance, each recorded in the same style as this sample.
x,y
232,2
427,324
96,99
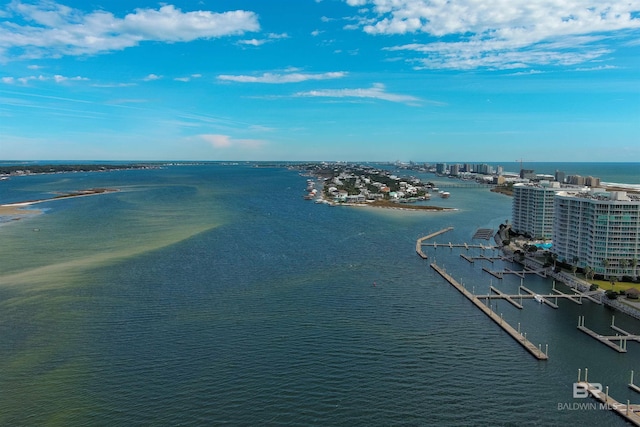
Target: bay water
x,y
215,295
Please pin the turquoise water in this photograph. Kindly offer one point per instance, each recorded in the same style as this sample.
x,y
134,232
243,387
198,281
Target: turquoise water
x,y
543,245
208,295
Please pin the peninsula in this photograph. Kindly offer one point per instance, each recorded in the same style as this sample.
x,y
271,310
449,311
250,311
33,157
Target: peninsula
x,y
363,185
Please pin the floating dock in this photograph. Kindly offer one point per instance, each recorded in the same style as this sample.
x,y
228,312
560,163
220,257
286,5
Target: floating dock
x,y
471,259
461,245
501,295
528,345
629,335
605,339
629,412
520,273
430,236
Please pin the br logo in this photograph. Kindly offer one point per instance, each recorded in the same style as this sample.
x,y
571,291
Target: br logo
x,y
581,390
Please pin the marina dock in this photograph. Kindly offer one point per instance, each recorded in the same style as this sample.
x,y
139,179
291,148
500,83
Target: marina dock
x,y
606,339
529,294
501,295
430,236
471,259
520,273
629,335
629,412
461,245
528,345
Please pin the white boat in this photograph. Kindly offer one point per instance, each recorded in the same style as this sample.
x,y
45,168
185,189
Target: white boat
x,y
538,298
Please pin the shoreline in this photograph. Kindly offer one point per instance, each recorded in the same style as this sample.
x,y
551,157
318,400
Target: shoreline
x,y
399,208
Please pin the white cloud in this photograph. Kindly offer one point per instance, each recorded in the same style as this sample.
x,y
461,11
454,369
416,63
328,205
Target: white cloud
x,y
292,77
60,79
377,91
56,78
598,68
259,42
527,73
189,78
152,77
253,42
55,30
502,33
225,141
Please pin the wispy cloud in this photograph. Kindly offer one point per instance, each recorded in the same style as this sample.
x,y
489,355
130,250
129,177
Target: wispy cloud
x,y
152,77
41,78
377,91
188,78
598,68
500,34
527,73
290,77
113,85
56,30
259,42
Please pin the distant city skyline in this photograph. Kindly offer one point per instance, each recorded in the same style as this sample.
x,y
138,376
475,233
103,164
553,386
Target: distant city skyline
x,y
346,80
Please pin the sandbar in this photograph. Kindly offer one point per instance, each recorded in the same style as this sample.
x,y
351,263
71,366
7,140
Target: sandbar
x,y
18,208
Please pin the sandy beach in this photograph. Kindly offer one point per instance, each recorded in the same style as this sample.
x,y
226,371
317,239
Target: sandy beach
x,y
11,210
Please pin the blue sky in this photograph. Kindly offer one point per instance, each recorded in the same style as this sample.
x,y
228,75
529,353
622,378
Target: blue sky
x,y
376,80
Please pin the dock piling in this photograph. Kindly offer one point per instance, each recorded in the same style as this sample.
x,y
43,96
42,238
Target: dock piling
x,y
530,347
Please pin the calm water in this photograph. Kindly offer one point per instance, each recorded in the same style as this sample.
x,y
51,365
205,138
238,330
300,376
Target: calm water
x,y
208,295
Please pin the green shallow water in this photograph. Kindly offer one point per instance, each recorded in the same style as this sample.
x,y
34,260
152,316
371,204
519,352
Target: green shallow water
x,y
50,264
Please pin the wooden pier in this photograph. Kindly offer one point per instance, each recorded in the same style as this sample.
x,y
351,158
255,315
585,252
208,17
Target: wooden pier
x,y
608,340
432,235
501,295
461,245
471,259
528,345
529,294
629,335
520,273
629,412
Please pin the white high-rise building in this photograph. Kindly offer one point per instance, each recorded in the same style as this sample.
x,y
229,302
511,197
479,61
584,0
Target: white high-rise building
x,y
533,209
598,229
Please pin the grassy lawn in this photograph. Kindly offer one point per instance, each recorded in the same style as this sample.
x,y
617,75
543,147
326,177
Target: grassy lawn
x,y
618,286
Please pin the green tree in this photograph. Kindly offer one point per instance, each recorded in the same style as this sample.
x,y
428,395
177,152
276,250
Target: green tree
x,y
623,264
588,272
574,265
605,264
